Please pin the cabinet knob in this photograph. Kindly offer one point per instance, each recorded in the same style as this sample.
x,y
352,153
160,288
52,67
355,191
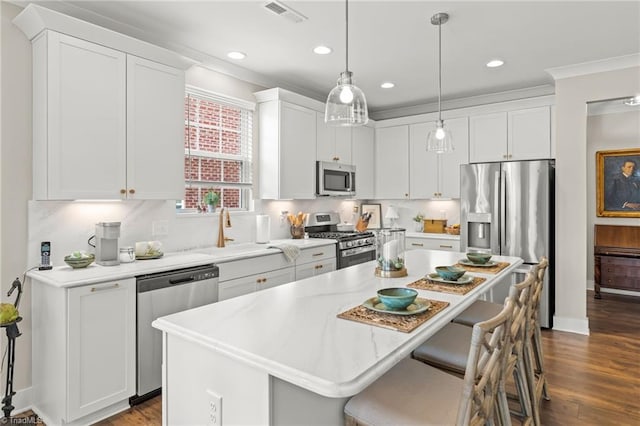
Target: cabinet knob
x,y
505,156
132,191
406,194
123,191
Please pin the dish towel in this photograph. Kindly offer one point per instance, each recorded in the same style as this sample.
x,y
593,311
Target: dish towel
x,y
290,251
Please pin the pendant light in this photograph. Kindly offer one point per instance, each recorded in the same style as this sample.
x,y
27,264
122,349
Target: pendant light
x,y
439,140
346,104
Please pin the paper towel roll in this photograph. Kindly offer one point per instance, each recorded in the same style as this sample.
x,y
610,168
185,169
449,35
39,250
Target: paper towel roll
x,y
263,228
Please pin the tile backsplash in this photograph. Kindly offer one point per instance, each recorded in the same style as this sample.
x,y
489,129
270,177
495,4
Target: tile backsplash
x,y
68,225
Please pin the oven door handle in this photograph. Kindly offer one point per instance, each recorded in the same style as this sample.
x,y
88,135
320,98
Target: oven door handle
x,y
357,250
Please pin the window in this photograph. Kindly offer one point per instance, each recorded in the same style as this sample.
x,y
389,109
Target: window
x,y
217,150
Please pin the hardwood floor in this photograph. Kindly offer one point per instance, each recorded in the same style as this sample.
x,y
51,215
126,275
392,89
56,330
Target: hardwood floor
x,y
593,380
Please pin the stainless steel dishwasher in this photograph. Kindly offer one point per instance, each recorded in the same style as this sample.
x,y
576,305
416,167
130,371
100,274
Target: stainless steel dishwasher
x,y
161,294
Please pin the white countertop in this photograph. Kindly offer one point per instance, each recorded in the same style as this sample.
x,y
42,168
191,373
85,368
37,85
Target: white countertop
x,y
65,276
292,332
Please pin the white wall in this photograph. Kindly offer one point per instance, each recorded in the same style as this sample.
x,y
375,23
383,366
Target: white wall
x,y
15,159
608,131
572,95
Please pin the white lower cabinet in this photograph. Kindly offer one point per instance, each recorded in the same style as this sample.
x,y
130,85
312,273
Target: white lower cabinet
x,y
84,344
257,282
245,276
312,262
413,243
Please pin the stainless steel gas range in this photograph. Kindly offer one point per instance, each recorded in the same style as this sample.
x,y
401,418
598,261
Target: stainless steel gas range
x,y
352,248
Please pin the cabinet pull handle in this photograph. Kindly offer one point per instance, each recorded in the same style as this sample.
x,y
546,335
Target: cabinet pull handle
x,y
318,254
116,285
318,266
123,191
417,244
132,191
445,246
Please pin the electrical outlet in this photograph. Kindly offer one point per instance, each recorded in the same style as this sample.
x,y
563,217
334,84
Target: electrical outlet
x,y
160,228
215,408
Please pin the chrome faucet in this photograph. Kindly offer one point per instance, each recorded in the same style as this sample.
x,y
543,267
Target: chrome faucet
x,y
223,223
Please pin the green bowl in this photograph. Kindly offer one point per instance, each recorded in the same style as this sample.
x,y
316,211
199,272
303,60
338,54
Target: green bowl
x,y
77,263
397,298
450,273
480,258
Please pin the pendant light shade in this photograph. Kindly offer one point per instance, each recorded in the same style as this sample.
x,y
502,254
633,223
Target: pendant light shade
x,y
439,140
346,104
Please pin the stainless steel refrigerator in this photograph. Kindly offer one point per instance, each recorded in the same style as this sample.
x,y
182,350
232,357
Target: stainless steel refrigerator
x,y
508,209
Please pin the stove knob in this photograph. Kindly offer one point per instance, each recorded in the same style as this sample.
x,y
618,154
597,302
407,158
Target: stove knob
x,y
350,243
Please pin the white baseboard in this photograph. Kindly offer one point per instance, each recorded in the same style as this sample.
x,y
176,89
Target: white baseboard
x,y
572,325
22,401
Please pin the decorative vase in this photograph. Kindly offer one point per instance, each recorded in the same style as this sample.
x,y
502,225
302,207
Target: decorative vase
x,y
211,208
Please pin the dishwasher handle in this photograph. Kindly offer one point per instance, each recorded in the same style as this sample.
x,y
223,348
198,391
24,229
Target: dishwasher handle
x,y
182,280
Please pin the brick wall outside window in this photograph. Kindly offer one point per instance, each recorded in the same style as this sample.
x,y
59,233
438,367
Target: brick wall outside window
x,y
217,142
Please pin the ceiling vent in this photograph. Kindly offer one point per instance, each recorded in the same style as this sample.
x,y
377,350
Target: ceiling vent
x,y
285,11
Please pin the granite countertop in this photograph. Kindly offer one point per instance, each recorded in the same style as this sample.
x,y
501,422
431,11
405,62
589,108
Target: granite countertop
x,y
65,276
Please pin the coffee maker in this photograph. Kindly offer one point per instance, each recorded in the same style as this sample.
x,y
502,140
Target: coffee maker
x,y
107,234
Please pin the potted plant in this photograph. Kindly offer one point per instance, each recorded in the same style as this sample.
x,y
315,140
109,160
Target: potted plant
x,y
211,199
418,219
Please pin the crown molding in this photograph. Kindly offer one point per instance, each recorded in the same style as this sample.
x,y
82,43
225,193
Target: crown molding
x,y
593,67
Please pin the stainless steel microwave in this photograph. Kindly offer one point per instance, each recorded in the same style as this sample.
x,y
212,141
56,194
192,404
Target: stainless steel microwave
x,y
335,179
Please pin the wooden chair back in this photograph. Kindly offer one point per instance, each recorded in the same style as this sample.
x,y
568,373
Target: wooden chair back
x,y
490,347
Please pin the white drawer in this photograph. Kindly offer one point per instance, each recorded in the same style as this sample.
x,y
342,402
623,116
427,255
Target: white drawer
x,y
254,265
316,254
431,244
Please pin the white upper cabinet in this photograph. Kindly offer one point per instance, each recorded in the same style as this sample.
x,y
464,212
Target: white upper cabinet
x,y
392,162
155,129
79,119
287,143
332,143
363,157
511,136
437,175
529,133
106,124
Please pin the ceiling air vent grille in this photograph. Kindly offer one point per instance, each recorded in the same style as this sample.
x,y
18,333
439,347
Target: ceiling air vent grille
x,y
285,11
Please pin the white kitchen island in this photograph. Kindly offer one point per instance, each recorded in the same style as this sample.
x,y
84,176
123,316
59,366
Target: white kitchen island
x,y
282,357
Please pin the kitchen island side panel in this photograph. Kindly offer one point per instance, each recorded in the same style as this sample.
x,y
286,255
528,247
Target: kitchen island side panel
x,y
195,371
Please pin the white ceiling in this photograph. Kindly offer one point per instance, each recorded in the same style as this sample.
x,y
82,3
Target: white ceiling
x,y
388,41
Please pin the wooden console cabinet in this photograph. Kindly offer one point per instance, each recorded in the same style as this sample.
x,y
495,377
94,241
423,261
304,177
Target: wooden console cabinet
x,y
616,258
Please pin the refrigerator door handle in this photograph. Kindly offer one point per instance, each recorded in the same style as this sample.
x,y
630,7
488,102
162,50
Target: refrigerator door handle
x,y
503,212
496,220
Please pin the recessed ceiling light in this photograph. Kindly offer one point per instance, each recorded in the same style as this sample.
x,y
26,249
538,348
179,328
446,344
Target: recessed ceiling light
x,y
495,63
236,55
635,101
322,50
387,85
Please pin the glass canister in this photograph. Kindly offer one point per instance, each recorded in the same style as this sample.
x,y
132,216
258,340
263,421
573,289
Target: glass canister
x,y
127,254
390,247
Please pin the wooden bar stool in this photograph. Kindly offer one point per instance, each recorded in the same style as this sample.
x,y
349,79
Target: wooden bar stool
x,y
413,393
443,350
533,356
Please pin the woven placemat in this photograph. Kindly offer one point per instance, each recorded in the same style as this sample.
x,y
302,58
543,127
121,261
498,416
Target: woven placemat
x,y
484,269
427,284
404,323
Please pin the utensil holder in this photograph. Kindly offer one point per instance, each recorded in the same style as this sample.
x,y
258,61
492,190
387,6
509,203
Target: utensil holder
x,y
297,232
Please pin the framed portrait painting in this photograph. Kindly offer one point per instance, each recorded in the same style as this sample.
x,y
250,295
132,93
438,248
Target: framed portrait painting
x,y
618,183
376,214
